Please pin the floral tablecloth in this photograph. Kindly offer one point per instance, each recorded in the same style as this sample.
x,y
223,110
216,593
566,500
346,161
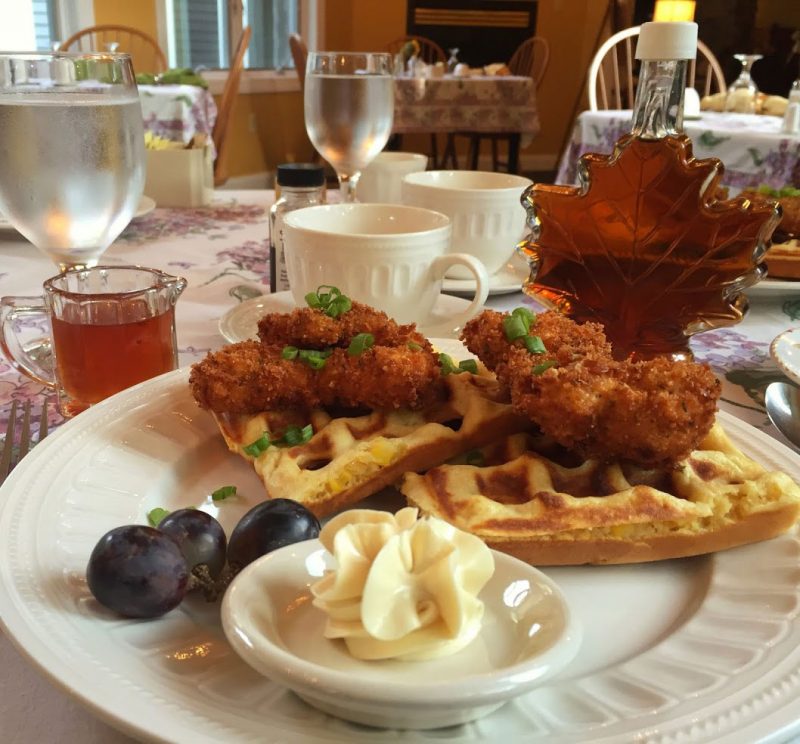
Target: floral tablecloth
x,y
223,252
750,146
466,104
177,112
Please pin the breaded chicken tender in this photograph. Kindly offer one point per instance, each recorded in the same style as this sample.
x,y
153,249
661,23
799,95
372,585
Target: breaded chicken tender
x,y
311,328
653,413
250,377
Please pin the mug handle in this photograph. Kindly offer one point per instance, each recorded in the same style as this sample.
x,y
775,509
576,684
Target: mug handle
x,y
439,268
12,308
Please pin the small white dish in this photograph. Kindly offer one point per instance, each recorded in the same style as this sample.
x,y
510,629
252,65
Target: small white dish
x,y
240,323
785,351
528,635
774,288
507,280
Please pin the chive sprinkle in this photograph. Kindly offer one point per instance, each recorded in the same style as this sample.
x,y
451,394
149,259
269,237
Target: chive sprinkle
x,y
254,449
223,493
289,352
330,300
414,346
468,365
360,343
539,369
534,344
154,516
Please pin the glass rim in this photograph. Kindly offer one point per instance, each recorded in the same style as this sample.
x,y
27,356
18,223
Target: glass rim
x,y
351,54
40,56
161,280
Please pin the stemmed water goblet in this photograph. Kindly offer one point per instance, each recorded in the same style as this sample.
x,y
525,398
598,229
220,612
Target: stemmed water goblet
x,y
743,92
71,151
349,109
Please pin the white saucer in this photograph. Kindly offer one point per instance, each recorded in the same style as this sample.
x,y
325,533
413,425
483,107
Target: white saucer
x,y
785,351
528,634
507,280
146,205
241,322
774,288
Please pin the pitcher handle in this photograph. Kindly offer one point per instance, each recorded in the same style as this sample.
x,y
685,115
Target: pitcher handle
x,y
11,309
439,268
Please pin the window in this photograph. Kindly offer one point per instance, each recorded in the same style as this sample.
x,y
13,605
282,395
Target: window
x,y
43,24
202,33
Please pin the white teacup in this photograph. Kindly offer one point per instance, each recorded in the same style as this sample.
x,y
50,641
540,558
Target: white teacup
x,y
392,257
382,179
488,218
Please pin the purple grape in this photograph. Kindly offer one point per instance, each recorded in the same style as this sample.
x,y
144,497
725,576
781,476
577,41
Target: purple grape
x,y
199,536
267,527
137,571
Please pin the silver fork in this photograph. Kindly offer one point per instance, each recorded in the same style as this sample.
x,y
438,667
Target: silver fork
x,y
7,458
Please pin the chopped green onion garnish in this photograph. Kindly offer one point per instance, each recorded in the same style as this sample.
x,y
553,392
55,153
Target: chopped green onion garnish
x,y
254,449
514,327
154,516
360,343
539,369
475,457
289,352
332,302
534,344
414,346
468,365
295,435
223,493
313,357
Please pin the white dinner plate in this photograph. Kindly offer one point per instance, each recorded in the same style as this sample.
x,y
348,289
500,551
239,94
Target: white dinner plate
x,y
507,280
774,288
241,321
785,352
693,650
146,205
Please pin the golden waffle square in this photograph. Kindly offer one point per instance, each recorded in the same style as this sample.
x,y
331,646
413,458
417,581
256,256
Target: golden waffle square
x,y
544,505
351,457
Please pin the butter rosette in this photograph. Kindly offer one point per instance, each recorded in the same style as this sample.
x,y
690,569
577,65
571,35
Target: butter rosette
x,y
403,588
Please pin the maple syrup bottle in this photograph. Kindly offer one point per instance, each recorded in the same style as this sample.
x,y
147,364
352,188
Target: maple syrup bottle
x,y
642,245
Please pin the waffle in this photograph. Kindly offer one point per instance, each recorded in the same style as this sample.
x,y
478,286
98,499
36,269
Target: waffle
x,y
538,502
351,457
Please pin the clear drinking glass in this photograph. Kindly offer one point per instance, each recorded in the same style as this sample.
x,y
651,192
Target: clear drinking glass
x,y
71,151
743,92
349,108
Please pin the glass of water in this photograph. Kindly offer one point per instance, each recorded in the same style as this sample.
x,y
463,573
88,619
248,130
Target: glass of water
x,y
349,108
71,151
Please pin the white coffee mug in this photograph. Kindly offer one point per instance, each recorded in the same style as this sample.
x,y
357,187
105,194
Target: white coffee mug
x,y
382,179
488,218
391,257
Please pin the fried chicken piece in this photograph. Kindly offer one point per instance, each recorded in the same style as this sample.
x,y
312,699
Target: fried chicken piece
x,y
653,413
310,328
565,340
250,377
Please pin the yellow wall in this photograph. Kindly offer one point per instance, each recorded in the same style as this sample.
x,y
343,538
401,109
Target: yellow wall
x,y
268,129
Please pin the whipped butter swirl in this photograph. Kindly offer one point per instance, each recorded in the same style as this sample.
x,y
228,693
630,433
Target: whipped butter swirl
x,y
403,588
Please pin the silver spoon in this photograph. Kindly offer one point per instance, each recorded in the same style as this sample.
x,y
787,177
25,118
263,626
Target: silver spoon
x,y
783,408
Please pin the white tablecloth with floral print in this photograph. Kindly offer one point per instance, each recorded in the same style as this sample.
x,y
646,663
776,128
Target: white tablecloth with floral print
x,y
177,112
750,146
223,252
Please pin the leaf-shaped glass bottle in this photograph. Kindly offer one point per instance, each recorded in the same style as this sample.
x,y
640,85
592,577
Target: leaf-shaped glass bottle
x,y
643,245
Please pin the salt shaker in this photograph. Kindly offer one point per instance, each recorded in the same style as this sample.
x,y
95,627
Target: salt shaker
x,y
298,185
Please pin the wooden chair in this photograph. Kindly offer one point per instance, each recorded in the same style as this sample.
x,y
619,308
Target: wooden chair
x,y
299,52
612,72
429,51
144,50
530,59
225,109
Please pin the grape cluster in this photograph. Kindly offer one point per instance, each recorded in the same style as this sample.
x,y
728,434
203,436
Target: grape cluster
x,y
143,572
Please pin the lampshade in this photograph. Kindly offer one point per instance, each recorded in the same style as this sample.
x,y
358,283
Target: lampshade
x,y
674,10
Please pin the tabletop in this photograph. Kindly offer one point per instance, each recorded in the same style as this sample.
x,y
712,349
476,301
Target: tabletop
x,y
751,146
177,112
482,103
223,252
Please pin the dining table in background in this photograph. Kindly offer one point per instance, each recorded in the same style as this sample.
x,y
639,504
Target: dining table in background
x,y
751,146
222,250
177,112
468,104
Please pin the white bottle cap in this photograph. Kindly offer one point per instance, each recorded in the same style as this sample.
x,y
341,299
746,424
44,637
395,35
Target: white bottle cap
x,y
667,40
